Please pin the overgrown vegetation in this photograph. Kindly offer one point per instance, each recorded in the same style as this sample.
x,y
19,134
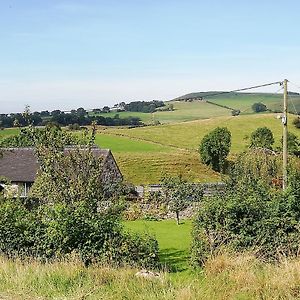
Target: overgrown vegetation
x,y
224,277
253,213
70,211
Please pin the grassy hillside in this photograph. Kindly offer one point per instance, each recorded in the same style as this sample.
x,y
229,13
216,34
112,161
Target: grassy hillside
x,y
200,110
244,101
189,134
172,148
143,162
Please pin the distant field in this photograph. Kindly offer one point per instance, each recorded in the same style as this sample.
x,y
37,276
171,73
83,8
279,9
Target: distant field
x,y
189,134
183,111
123,144
200,110
7,132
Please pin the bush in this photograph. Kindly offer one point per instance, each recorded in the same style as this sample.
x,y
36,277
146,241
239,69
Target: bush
x,y
296,122
55,231
262,137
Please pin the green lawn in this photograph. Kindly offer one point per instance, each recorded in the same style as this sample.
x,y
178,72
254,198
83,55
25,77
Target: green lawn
x,y
174,240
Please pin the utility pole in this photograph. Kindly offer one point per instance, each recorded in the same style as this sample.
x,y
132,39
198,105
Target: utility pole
x,y
284,134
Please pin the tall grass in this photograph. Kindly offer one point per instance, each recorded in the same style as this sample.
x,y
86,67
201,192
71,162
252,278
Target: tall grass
x,y
224,277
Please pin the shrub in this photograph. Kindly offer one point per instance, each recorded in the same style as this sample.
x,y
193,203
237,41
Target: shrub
x,y
296,122
54,231
262,137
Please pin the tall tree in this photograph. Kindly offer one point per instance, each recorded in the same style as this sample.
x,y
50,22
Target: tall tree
x,y
214,148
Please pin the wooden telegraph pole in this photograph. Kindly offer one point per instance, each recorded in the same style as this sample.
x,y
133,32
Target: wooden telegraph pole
x,y
284,134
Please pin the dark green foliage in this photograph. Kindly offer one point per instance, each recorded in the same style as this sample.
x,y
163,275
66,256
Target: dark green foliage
x,y
54,231
293,144
250,215
262,137
259,107
215,147
79,116
296,122
70,211
144,106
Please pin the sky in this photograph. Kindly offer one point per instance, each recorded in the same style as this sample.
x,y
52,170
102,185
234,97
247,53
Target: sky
x,y
91,53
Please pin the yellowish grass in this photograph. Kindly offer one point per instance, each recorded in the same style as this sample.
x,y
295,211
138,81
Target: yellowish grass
x,y
224,277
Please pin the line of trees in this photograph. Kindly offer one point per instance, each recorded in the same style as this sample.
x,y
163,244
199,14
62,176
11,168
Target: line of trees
x,y
79,116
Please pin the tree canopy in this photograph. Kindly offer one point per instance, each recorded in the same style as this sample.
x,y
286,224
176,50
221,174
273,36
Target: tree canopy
x,y
262,137
215,147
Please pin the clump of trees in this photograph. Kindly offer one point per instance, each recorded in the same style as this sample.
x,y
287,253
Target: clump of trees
x,y
79,116
259,107
215,147
144,106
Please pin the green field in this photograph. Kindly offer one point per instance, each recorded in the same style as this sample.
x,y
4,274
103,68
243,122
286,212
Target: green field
x,y
244,101
172,148
189,134
8,132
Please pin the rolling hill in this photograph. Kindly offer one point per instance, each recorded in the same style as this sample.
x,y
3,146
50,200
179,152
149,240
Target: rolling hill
x,y
185,111
145,154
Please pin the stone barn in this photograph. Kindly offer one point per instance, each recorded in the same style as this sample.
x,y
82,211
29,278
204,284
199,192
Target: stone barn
x,y
20,167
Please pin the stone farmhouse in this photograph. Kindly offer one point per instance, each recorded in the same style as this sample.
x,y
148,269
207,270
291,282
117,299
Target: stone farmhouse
x,y
20,166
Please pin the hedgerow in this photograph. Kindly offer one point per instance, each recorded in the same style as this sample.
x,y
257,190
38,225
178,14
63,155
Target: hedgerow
x,y
49,232
250,215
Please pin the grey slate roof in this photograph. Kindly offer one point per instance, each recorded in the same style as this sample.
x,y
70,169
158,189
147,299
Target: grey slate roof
x,y
21,164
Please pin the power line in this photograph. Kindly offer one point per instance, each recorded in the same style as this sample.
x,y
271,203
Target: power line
x,y
237,90
290,97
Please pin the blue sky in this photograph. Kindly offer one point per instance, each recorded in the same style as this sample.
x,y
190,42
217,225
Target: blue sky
x,y
66,54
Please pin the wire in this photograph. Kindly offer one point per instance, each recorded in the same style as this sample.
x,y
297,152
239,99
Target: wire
x,y
290,97
297,86
237,90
